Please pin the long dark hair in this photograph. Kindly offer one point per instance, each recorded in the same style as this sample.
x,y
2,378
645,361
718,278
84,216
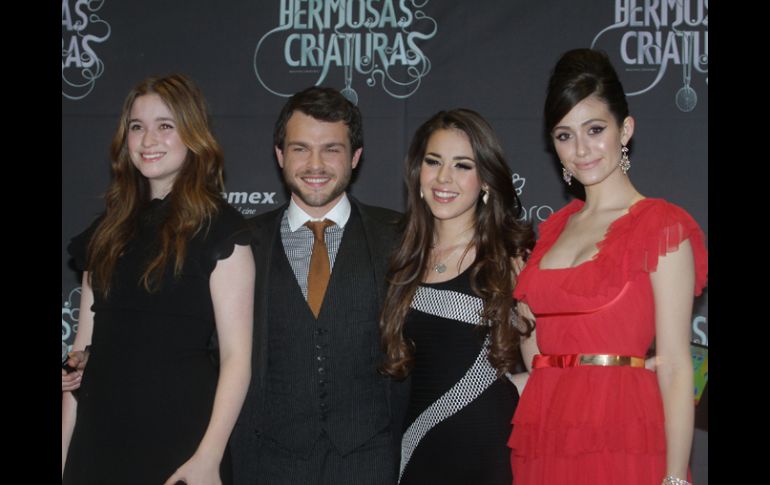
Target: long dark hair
x,y
194,199
499,236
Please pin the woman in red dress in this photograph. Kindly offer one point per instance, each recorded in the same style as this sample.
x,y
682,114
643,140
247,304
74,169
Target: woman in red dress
x,y
607,276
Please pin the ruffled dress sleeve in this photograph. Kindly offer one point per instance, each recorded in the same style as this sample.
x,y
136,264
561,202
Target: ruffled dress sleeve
x,y
227,229
633,243
660,229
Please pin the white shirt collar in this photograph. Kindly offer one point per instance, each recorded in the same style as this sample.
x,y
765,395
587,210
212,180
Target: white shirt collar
x,y
339,214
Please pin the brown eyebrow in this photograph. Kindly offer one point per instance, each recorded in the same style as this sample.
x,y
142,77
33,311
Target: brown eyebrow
x,y
132,120
307,145
461,157
587,122
593,120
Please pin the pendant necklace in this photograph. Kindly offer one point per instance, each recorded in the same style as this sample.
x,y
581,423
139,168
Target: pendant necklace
x,y
440,267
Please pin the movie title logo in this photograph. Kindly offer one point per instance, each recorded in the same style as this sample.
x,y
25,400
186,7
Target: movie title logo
x,y
327,41
81,31
650,38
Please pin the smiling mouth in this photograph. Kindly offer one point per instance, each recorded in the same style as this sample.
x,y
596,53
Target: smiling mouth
x,y
152,157
316,181
444,195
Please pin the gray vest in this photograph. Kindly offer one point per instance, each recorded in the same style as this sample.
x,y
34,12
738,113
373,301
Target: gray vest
x,y
322,374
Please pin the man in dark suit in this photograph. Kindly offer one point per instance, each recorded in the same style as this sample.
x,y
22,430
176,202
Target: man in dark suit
x,y
318,412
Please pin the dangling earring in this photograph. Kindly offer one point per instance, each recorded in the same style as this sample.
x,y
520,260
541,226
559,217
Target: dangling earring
x,y
624,163
422,196
485,197
566,175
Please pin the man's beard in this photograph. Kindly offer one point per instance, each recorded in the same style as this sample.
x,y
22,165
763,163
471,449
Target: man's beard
x,y
318,199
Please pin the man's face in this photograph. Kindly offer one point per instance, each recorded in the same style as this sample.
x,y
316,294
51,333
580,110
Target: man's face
x,y
317,162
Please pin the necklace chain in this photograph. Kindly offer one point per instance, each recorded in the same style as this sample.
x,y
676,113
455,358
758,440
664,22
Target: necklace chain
x,y
440,267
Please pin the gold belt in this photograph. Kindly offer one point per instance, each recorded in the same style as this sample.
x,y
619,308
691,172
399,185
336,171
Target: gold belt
x,y
575,360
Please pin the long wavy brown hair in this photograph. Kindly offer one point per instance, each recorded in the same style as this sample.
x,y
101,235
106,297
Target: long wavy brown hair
x,y
499,236
194,198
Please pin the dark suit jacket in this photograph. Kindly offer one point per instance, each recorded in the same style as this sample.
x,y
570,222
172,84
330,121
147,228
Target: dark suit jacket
x,y
380,227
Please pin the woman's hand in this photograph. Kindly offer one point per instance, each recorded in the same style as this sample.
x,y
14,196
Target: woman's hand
x,y
198,470
71,380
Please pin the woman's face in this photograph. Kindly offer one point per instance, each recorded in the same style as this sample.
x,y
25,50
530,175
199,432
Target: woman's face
x,y
154,145
588,141
449,178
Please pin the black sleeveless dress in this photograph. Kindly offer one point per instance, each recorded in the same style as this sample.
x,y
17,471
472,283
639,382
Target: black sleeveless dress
x,y
459,415
148,388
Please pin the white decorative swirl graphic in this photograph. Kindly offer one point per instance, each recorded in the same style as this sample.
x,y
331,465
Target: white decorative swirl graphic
x,y
518,183
80,65
535,212
418,64
256,64
700,330
70,314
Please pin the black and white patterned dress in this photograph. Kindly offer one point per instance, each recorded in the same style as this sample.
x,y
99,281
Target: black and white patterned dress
x,y
459,415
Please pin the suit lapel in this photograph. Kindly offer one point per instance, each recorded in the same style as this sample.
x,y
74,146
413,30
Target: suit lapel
x,y
379,244
265,230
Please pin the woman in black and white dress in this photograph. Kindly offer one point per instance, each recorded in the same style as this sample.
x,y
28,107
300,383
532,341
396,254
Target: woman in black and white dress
x,y
447,318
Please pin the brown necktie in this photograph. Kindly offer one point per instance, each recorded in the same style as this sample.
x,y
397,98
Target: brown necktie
x,y
318,276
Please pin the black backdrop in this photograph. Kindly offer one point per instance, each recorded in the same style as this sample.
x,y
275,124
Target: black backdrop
x,y
405,60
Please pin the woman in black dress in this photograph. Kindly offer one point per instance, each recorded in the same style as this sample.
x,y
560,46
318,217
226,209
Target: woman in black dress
x,y
166,269
447,317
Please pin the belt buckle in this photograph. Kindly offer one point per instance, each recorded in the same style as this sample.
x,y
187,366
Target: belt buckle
x,y
604,359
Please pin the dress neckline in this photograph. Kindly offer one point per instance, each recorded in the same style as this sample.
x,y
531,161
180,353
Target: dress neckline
x,y
156,203
572,208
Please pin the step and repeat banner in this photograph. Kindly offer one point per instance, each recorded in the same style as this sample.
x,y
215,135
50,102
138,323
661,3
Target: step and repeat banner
x,y
400,61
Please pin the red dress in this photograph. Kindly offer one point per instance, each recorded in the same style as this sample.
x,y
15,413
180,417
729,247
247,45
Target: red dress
x,y
591,424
